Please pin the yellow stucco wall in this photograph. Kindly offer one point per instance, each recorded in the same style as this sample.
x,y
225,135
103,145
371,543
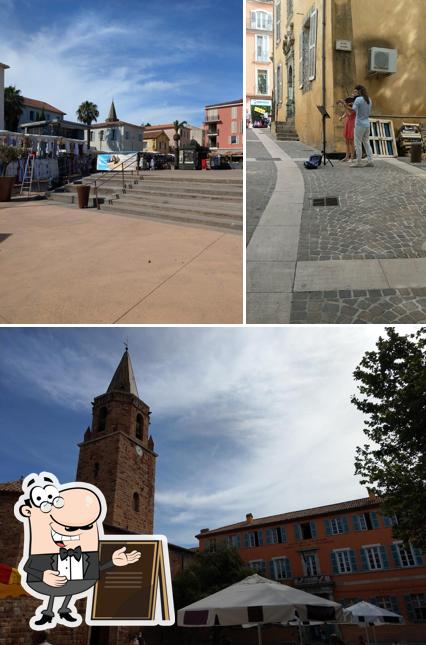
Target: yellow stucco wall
x,y
393,24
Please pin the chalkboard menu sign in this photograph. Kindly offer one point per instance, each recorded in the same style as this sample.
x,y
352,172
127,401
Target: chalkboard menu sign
x,y
137,594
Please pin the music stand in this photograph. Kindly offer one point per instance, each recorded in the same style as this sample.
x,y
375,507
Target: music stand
x,y
325,115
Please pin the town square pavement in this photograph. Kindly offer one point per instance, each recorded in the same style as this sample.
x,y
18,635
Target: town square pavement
x,y
63,265
360,261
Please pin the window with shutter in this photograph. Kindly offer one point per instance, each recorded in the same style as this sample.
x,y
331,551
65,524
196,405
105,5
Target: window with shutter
x,y
342,561
253,19
281,568
312,44
277,20
301,59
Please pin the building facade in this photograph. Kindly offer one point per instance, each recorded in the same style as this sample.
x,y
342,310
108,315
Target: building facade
x,y
223,126
259,51
114,135
156,141
34,110
56,128
117,455
323,48
185,133
344,552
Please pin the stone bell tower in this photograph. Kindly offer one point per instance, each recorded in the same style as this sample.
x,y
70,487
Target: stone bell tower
x,y
117,454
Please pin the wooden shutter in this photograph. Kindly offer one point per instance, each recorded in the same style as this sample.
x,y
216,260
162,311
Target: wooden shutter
x,y
283,534
259,538
269,536
334,563
272,570
395,555
374,520
301,71
246,540
253,19
356,523
269,21
384,557
345,524
287,568
364,560
278,21
353,559
313,44
313,529
327,526
297,531
418,558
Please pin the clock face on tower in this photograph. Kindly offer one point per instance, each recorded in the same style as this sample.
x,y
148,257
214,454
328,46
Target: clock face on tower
x,y
139,451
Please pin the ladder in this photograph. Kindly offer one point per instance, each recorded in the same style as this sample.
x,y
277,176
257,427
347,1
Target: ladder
x,y
27,179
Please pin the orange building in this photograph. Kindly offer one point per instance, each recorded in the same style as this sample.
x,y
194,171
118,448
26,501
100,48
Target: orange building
x,y
223,126
345,552
259,49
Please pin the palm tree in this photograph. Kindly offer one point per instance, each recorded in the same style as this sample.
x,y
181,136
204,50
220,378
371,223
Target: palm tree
x,y
178,125
13,107
87,113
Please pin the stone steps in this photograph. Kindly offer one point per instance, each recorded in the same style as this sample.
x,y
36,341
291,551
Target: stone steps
x,y
201,203
211,177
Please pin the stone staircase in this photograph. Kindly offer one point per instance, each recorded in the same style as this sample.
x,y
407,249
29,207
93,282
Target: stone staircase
x,y
286,131
213,199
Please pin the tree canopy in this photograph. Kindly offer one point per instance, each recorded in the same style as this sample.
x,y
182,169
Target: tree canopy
x,y
87,112
209,573
13,107
392,396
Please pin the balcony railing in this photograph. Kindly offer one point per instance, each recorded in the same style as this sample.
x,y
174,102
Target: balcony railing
x,y
310,581
211,118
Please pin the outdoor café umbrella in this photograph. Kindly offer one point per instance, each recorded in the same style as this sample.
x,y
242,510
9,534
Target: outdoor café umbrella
x,y
365,613
259,600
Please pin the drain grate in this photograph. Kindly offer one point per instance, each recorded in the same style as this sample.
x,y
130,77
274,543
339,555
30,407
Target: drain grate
x,y
4,236
325,201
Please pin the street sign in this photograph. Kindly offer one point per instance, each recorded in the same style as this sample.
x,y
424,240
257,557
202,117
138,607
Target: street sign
x,y
344,45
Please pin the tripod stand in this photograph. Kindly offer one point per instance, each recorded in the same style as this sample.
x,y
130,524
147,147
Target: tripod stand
x,y
325,115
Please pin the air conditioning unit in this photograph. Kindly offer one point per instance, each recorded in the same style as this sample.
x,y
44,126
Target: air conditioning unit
x,y
382,61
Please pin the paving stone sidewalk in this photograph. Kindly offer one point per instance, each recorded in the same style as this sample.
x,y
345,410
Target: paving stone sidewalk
x,y
379,221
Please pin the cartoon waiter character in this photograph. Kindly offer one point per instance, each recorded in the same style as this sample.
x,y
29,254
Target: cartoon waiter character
x,y
62,525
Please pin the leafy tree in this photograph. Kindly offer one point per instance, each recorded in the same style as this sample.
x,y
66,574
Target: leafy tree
x,y
86,113
13,107
392,395
177,125
9,154
209,573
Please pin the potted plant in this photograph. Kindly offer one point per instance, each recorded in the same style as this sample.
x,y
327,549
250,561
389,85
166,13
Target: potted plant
x,y
8,154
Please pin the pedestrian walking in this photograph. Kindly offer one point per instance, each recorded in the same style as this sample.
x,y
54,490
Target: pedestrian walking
x,y
362,107
349,127
152,164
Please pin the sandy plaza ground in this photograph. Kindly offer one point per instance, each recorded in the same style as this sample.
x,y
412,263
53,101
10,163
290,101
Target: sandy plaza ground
x,y
63,265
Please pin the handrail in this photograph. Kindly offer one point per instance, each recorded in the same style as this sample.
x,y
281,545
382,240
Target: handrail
x,y
123,166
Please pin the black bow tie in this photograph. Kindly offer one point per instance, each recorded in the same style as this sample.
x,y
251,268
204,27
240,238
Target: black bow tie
x,y
65,553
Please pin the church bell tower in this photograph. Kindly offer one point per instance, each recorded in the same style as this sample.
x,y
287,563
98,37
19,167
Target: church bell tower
x,y
117,454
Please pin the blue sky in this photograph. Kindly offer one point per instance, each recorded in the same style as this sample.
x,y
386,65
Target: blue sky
x,y
159,61
244,420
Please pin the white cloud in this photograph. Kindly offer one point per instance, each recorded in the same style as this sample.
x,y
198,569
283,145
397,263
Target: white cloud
x,y
245,420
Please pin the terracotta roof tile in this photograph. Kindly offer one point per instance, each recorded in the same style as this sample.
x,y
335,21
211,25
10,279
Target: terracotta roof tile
x,y
41,105
152,134
295,515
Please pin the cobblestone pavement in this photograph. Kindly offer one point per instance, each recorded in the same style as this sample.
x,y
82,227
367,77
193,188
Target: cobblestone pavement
x,y
360,307
381,215
261,178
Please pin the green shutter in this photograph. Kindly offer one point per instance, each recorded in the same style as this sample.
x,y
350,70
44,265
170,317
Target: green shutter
x,y
327,526
345,524
374,520
395,555
418,558
334,564
384,557
297,531
260,538
364,560
246,540
356,523
353,560
269,536
313,529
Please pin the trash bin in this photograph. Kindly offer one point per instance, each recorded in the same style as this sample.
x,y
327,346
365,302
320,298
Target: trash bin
x,y
83,196
416,153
